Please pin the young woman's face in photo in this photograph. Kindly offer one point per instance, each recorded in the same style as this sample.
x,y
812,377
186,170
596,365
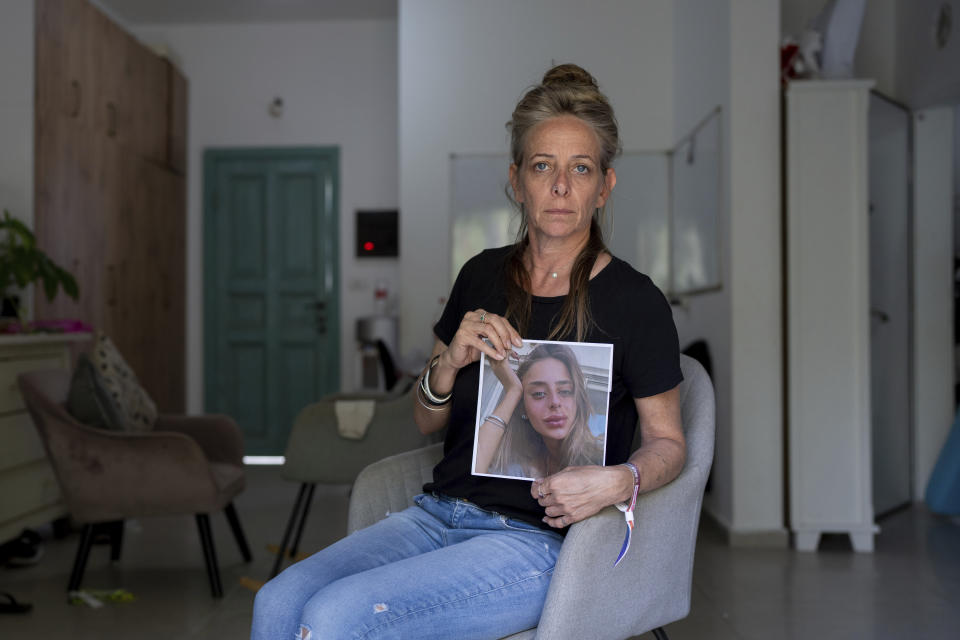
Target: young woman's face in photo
x,y
549,398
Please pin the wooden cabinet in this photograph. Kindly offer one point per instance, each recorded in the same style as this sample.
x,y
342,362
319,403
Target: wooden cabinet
x,y
110,187
177,121
29,495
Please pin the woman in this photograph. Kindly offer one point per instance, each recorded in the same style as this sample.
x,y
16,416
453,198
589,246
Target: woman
x,y
552,429
474,556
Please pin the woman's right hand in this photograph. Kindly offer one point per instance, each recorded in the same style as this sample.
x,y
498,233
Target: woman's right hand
x,y
481,332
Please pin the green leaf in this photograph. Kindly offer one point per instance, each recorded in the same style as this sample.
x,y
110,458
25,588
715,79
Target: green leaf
x,y
22,262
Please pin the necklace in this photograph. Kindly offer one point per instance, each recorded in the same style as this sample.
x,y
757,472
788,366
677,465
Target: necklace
x,y
554,274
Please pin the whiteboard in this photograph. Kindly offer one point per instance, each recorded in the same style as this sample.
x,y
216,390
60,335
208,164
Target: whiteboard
x,y
637,225
663,216
696,201
481,215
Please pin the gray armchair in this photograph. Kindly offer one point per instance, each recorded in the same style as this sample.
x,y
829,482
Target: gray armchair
x,y
185,465
588,597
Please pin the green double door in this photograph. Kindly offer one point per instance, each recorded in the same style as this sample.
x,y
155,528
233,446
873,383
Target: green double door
x,y
271,321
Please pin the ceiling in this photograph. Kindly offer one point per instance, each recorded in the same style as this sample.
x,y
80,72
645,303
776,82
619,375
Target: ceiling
x,y
206,11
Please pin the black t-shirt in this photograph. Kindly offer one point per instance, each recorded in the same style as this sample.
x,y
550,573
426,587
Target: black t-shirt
x,y
628,312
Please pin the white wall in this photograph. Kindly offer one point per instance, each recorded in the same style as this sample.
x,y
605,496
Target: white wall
x,y
756,340
701,33
464,65
933,280
926,76
338,81
877,48
16,109
897,49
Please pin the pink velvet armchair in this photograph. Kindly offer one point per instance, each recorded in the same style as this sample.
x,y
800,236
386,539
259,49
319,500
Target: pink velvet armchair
x,y
185,465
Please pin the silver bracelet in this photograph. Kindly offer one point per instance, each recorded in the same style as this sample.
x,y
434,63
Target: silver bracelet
x,y
425,385
428,405
496,420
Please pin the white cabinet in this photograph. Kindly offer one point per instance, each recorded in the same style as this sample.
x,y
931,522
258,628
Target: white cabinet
x,y
828,324
29,495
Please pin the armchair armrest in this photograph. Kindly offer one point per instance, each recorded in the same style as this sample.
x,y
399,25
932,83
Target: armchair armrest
x,y
108,475
589,597
218,435
390,484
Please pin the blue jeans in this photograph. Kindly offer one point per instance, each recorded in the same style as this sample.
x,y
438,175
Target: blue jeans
x,y
444,568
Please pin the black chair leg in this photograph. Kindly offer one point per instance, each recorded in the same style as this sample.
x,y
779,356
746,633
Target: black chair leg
x,y
301,494
209,555
303,521
660,634
238,532
115,530
80,561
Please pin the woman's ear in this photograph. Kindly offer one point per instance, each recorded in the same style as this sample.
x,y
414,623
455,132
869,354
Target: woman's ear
x,y
609,182
515,183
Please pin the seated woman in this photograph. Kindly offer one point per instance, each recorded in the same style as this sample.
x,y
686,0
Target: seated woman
x,y
473,557
552,430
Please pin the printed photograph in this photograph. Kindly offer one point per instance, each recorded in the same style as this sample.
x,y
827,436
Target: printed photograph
x,y
543,408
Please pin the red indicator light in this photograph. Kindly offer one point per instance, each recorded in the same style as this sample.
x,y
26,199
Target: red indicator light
x,y
368,246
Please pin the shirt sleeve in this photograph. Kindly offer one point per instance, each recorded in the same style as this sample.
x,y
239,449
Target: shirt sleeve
x,y
652,358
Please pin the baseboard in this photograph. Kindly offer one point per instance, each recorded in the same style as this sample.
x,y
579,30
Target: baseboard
x,y
754,539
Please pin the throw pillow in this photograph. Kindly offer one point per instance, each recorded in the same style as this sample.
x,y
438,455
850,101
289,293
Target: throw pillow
x,y
139,410
89,401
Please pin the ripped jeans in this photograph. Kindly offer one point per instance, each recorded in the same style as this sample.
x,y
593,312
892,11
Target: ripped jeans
x,y
444,568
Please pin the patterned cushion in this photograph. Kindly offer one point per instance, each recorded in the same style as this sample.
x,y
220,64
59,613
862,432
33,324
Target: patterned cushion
x,y
89,401
138,409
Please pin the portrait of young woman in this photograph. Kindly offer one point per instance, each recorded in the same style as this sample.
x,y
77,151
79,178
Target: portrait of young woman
x,y
544,414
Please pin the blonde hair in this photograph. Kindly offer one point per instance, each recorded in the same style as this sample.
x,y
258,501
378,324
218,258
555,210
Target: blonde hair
x,y
566,89
523,446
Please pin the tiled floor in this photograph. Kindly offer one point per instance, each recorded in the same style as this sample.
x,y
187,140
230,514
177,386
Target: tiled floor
x,y
909,588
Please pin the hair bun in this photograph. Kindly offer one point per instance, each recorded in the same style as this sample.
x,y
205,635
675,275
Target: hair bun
x,y
569,75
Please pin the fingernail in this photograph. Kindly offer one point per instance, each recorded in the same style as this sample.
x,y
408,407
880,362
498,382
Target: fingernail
x,y
498,356
518,342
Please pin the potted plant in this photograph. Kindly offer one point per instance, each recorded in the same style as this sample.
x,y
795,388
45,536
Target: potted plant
x,y
23,263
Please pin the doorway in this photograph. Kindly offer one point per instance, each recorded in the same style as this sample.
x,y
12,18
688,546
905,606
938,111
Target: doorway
x,y
271,298
891,375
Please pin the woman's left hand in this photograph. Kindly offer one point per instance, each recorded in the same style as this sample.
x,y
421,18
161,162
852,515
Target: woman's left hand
x,y
576,493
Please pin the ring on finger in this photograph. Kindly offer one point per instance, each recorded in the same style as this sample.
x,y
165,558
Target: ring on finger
x,y
540,491
483,317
